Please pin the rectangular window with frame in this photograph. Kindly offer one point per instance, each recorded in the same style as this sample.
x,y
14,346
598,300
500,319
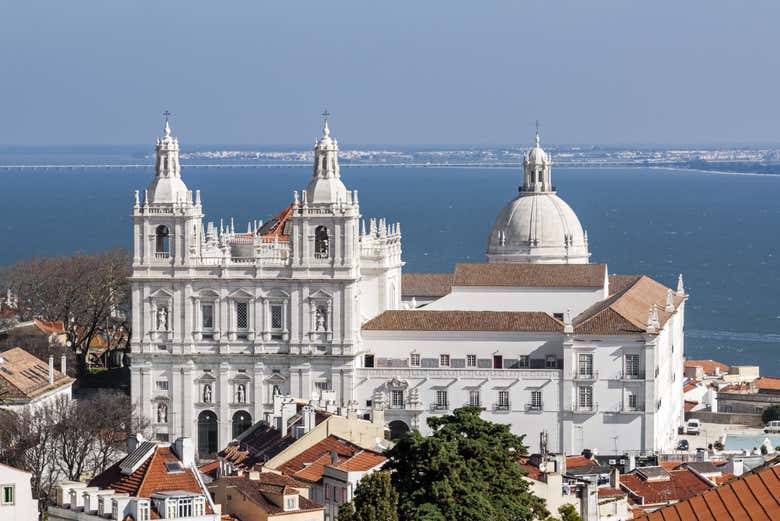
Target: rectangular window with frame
x,y
143,511
444,360
503,400
414,360
242,315
397,399
632,402
162,385
523,361
474,398
277,323
585,397
498,362
441,399
185,507
550,362
632,366
368,361
8,494
207,315
585,365
536,400
471,360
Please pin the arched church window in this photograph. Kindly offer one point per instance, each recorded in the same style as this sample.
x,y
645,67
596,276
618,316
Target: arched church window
x,y
321,242
162,244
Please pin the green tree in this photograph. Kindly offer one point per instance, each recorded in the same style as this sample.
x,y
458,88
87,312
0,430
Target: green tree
x,y
569,513
375,500
467,469
771,413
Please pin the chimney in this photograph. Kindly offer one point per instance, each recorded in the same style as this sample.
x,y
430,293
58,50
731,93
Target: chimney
x,y
133,441
309,415
51,369
63,368
614,478
288,410
185,451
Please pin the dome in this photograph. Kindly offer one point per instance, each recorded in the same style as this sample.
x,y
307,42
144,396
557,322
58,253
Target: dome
x,y
538,228
537,155
167,190
326,190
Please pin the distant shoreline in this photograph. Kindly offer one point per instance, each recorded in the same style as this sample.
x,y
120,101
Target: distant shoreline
x,y
495,166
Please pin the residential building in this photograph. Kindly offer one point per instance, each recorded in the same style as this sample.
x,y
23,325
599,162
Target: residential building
x,y
26,381
651,488
16,500
749,397
265,496
154,481
311,302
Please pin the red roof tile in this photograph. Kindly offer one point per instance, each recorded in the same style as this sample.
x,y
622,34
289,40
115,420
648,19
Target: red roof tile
x,y
363,461
422,320
611,492
531,275
767,383
689,405
426,284
24,377
682,484
708,366
751,497
309,464
276,227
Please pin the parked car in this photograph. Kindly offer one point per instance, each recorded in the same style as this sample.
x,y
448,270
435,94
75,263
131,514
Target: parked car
x,y
693,427
683,445
773,426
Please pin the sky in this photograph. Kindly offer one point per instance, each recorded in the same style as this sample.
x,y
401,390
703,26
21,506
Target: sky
x,y
402,72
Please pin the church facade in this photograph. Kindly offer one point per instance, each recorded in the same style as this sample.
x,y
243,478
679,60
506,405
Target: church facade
x,y
313,303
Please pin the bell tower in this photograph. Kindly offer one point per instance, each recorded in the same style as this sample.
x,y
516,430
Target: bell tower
x,y
167,221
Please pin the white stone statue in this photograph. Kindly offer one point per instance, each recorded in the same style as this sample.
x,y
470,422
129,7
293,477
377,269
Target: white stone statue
x,y
162,413
320,319
162,319
207,393
241,393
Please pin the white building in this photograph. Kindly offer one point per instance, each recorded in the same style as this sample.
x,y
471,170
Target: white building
x,y
309,302
16,500
154,481
27,381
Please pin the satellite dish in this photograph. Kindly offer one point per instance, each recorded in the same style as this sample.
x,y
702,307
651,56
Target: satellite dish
x,y
542,467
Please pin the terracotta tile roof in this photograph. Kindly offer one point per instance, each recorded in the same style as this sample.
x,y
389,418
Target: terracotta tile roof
x,y
531,275
611,492
260,444
689,405
276,227
210,469
421,320
767,383
258,490
626,311
708,366
50,327
751,497
426,284
531,470
309,464
690,386
150,477
24,377
363,461
681,484
573,462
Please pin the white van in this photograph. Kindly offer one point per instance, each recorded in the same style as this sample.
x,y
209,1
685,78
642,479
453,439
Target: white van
x,y
692,427
773,426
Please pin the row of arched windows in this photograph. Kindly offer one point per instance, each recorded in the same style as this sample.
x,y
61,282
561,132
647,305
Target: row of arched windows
x,y
208,430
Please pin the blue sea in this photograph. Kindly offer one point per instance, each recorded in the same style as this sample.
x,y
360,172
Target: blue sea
x,y
721,231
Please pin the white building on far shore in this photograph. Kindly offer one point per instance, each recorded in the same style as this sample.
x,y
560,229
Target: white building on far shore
x,y
311,301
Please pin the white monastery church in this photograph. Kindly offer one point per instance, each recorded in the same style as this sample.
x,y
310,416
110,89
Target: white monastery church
x,y
314,305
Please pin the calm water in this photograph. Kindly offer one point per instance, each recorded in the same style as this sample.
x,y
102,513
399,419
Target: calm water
x,y
720,231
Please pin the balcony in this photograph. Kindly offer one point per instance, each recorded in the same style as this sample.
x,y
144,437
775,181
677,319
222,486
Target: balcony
x,y
162,255
584,409
440,407
633,376
586,377
502,407
533,407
